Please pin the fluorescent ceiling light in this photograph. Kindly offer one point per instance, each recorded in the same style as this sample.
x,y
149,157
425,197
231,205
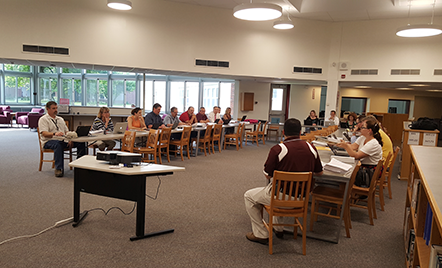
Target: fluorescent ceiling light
x,y
404,88
418,85
257,12
362,86
434,90
419,30
119,4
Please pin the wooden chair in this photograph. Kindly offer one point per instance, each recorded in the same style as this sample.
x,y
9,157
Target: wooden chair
x,y
242,134
253,135
261,133
127,144
369,192
184,141
204,142
234,138
43,151
294,204
272,128
163,143
389,171
151,147
380,184
216,137
336,197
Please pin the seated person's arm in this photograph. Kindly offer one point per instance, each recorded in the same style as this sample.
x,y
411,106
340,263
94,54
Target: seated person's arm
x,y
148,121
349,148
143,124
129,123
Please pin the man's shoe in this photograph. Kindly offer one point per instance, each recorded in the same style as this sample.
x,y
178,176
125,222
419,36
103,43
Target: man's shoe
x,y
59,173
279,235
250,236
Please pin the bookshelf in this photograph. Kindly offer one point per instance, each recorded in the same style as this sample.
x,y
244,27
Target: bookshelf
x,y
424,192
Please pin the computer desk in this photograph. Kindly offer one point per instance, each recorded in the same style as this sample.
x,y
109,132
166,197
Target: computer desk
x,y
95,177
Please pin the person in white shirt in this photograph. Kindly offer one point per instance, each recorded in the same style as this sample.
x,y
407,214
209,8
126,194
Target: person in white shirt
x,y
367,148
215,116
51,125
334,118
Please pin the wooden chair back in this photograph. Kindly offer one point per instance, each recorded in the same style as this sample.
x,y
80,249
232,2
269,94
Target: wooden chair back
x,y
217,132
152,139
291,200
390,171
185,137
165,136
127,144
208,132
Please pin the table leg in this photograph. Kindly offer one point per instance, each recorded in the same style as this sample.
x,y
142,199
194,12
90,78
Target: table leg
x,y
197,141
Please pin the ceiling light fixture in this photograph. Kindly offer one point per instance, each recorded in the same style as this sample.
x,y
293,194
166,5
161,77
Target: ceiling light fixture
x,y
404,88
419,30
418,85
120,4
284,24
362,86
257,12
434,90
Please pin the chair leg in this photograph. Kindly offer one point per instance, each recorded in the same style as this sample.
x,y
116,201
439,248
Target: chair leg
x,y
346,223
41,161
312,213
370,210
304,236
188,151
270,234
390,195
381,196
159,156
181,152
373,206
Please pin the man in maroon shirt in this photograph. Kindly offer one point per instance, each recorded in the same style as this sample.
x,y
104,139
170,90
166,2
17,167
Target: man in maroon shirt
x,y
188,117
294,155
201,117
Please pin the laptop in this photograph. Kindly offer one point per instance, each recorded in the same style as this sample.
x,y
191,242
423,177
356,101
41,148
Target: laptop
x,y
120,127
175,124
243,118
329,123
83,131
156,125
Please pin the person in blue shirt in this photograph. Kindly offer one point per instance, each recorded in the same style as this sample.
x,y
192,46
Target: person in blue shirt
x,y
154,118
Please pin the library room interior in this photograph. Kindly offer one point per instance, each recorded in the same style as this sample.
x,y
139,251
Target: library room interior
x,y
222,133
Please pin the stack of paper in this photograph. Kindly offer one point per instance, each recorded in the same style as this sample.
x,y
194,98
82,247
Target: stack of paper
x,y
319,143
337,166
345,159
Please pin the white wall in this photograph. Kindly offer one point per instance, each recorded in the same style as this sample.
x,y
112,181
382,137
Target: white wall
x,y
261,95
302,102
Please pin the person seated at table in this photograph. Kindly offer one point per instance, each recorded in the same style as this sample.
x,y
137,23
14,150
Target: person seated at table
x,y
226,119
357,128
312,120
294,155
188,117
153,119
333,117
201,117
351,121
104,122
50,125
215,116
136,121
367,148
387,146
172,118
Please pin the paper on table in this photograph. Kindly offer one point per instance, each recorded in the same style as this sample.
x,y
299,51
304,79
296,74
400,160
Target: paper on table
x,y
337,166
345,159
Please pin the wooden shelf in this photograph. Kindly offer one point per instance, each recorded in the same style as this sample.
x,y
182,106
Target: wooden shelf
x,y
423,251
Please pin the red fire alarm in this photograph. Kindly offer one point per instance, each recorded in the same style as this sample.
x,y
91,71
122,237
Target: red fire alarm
x,y
342,76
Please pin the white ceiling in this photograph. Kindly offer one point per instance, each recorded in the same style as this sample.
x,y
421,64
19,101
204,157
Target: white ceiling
x,y
339,10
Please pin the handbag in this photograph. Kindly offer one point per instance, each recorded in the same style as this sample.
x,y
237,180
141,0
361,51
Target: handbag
x,y
364,176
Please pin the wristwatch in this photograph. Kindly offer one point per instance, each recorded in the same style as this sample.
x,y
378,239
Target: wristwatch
x,y
53,134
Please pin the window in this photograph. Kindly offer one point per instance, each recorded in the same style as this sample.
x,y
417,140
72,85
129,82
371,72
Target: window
x,y
226,96
210,94
71,89
399,106
17,68
123,93
17,89
192,95
148,98
356,105
48,89
47,70
277,99
177,95
159,93
71,71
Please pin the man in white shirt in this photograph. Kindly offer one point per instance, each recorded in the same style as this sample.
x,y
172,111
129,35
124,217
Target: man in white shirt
x,y
334,118
51,125
215,116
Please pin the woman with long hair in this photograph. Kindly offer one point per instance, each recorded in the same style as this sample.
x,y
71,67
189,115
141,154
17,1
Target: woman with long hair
x,y
136,120
367,148
104,122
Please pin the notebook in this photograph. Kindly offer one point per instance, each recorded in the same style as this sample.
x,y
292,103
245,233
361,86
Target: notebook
x,y
83,131
120,127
